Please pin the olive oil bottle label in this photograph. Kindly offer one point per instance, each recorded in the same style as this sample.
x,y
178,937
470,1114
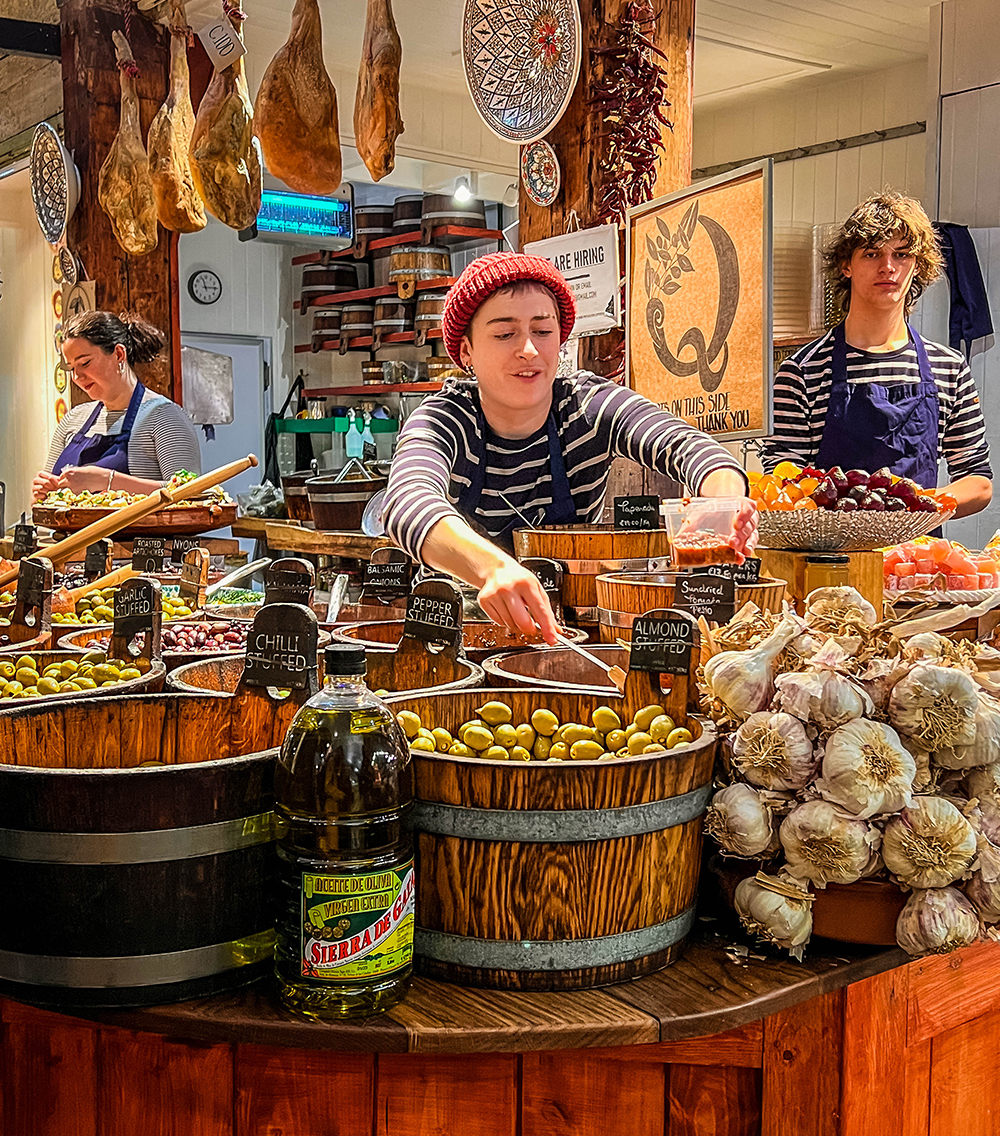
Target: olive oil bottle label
x,y
357,926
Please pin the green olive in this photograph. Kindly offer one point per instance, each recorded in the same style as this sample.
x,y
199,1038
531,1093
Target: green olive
x,y
456,749
660,727
655,747
496,753
505,735
496,713
586,751
128,673
645,716
442,739
106,672
425,745
423,732
631,729
638,742
559,750
67,668
680,736
409,722
12,689
26,663
478,737
544,722
7,669
577,733
605,719
48,685
519,753
468,726
85,682
525,736
615,739
541,747
26,676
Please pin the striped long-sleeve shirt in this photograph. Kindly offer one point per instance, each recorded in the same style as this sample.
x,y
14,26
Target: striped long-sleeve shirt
x,y
802,394
439,448
163,438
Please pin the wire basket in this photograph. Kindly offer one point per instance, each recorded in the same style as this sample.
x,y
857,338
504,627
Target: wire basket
x,y
823,530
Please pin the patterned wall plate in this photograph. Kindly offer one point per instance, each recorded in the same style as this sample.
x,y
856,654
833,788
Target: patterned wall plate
x,y
61,409
60,376
522,61
540,173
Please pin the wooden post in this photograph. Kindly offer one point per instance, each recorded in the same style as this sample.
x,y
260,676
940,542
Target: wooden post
x,y
92,101
579,150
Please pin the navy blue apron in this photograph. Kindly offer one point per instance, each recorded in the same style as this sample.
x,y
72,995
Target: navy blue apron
x,y
562,510
109,451
871,425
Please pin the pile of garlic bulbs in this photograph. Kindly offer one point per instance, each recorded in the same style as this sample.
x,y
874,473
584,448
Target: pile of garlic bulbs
x,y
856,749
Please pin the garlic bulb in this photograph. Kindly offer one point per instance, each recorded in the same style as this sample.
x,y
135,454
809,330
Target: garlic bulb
x,y
833,609
930,645
774,751
742,680
878,679
768,907
820,693
984,781
825,845
936,706
929,844
866,769
740,822
925,774
985,747
983,888
936,921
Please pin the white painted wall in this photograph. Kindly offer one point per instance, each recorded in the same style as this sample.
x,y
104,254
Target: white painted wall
x,y
27,358
824,188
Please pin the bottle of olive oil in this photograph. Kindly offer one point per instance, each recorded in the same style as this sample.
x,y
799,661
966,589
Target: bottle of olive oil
x,y
343,789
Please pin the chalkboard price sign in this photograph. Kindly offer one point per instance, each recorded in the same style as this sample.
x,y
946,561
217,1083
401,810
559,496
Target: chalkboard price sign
x,y
137,612
746,573
662,642
97,560
388,579
281,648
25,540
713,597
434,613
637,513
549,572
180,546
289,580
148,553
31,584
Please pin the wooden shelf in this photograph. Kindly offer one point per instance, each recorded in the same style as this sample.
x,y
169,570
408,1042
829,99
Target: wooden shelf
x,y
444,234
374,388
336,298
366,341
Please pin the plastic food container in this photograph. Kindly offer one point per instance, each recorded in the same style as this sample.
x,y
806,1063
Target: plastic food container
x,y
699,529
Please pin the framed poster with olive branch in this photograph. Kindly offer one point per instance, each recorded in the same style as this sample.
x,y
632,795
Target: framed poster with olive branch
x,y
698,302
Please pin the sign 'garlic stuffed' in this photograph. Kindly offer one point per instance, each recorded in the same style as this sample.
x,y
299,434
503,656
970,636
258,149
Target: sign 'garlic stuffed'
x,y
866,769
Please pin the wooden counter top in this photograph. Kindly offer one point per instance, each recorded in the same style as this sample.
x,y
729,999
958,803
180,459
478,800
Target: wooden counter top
x,y
704,994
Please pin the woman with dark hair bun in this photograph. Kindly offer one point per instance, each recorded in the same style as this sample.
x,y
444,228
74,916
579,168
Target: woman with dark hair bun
x,y
133,439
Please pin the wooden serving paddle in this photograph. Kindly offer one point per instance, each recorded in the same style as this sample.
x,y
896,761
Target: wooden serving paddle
x,y
65,599
62,550
616,674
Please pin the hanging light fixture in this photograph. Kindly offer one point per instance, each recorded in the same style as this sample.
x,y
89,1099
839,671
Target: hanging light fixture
x,y
463,190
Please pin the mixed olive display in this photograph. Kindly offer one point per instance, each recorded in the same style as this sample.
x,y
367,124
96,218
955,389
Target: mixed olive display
x,y
203,638
494,737
20,677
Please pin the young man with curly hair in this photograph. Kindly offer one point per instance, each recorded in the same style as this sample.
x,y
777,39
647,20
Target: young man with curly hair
x,y
872,393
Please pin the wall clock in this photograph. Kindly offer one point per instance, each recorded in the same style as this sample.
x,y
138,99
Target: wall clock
x,y
204,287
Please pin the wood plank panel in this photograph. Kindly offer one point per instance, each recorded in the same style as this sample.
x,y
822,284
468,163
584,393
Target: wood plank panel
x,y
801,1091
917,1089
714,1102
582,1094
49,1075
947,990
438,1096
874,1053
739,1047
963,1097
302,1091
150,1086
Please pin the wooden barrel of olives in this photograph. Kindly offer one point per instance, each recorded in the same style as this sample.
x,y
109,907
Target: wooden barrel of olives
x,y
479,640
621,596
556,668
542,875
588,551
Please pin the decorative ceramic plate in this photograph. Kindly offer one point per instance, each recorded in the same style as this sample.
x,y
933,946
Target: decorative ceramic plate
x,y
822,530
522,61
540,173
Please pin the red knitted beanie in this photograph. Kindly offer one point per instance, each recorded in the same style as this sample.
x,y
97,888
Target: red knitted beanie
x,y
489,274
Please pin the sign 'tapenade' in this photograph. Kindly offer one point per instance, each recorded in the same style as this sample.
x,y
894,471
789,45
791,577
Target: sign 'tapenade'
x,y
637,514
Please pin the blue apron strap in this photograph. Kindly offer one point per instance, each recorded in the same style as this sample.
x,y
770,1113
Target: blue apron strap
x,y
562,505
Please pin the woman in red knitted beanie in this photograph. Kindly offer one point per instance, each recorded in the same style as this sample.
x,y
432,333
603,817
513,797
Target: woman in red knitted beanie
x,y
515,445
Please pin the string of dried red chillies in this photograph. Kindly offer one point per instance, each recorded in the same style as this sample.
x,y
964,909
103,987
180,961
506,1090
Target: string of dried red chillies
x,y
631,98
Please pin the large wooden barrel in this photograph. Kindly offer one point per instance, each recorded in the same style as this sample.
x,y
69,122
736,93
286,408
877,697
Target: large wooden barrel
x,y
621,596
588,551
556,668
558,875
479,639
126,883
173,657
151,682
